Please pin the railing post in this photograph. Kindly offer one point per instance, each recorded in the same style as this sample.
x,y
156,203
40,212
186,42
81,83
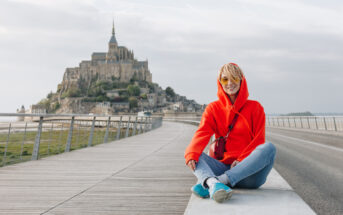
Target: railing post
x,y
50,135
160,122
8,138
78,134
334,121
107,129
154,123
35,152
308,122
326,128
70,134
289,123
315,119
135,127
60,137
140,125
301,122
118,130
84,136
295,124
127,128
150,123
90,140
22,144
268,120
145,124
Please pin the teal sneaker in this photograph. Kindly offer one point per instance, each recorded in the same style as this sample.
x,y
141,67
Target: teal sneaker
x,y
220,192
200,191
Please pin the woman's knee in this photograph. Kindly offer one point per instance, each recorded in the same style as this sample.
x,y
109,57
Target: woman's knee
x,y
268,148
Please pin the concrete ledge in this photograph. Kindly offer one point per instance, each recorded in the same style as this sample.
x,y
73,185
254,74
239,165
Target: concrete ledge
x,y
274,197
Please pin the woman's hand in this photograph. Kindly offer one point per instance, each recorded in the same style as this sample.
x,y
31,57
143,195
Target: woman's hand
x,y
234,164
191,164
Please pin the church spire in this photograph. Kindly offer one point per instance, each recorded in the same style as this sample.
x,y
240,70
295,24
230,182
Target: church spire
x,y
113,37
113,28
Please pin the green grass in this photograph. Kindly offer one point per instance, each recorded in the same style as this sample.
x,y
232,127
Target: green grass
x,y
51,142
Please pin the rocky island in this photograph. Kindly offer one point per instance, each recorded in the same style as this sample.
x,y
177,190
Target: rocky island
x,y
112,82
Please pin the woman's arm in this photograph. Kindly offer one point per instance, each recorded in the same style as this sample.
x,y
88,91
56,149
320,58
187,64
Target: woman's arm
x,y
201,136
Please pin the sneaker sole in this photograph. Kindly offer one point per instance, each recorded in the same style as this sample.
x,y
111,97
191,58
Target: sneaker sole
x,y
222,195
203,197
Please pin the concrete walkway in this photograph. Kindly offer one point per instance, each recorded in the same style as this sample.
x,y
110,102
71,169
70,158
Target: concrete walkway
x,y
144,174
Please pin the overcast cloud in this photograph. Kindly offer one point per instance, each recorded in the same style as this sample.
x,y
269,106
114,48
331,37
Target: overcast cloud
x,y
290,51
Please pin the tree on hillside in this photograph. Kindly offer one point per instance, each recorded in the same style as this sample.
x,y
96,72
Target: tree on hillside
x,y
45,103
133,90
49,96
133,102
170,92
71,92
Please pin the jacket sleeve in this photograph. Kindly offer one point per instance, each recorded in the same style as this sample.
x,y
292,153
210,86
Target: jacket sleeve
x,y
258,130
201,137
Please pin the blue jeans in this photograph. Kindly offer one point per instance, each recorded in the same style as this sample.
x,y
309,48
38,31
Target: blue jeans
x,y
250,173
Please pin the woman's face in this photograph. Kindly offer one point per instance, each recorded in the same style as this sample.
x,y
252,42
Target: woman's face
x,y
230,85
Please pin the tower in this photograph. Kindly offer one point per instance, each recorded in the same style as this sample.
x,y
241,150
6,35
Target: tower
x,y
112,47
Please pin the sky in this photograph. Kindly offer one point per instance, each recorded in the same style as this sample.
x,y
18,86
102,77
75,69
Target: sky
x,y
291,52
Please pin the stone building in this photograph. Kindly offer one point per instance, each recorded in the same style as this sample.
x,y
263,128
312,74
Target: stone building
x,y
120,106
118,63
21,110
102,108
152,98
37,109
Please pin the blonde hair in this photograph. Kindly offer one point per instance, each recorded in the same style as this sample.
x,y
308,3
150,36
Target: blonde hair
x,y
232,69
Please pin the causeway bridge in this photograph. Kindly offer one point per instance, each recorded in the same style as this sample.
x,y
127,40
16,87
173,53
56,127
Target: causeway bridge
x,y
129,165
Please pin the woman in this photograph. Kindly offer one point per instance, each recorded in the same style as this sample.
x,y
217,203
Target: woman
x,y
247,158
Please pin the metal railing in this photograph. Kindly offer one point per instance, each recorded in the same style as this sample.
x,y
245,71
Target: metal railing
x,y
50,134
190,120
327,123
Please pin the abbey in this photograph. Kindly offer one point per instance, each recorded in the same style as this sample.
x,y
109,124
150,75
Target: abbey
x,y
112,82
118,63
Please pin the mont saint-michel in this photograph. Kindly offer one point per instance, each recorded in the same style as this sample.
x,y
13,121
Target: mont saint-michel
x,y
111,82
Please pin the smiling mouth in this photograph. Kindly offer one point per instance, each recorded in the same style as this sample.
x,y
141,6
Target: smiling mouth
x,y
230,88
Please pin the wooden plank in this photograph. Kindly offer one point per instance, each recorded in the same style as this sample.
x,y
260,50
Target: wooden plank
x,y
144,174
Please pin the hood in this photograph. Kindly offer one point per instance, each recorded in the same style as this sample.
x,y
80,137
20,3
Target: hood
x,y
242,97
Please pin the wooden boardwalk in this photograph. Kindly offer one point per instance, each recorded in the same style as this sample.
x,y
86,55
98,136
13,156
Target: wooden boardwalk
x,y
144,174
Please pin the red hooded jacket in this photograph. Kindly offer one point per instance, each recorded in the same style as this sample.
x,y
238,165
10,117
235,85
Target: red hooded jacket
x,y
247,133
